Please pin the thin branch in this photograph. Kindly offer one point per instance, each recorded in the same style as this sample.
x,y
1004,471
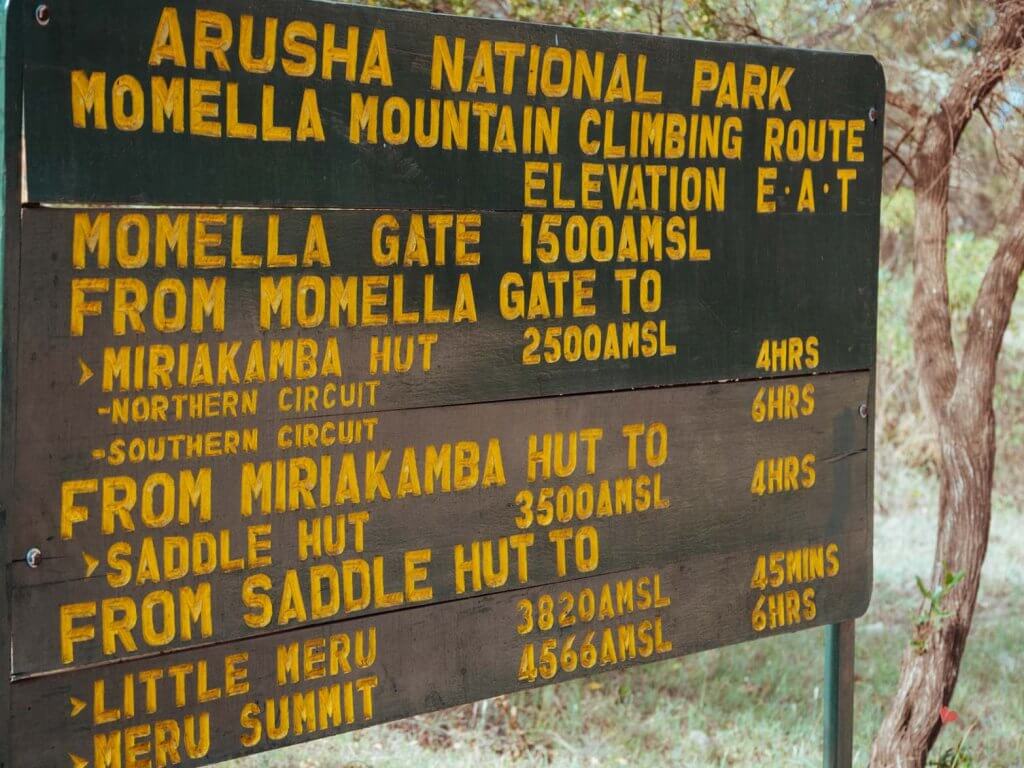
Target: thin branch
x,y
930,314
818,40
995,138
893,118
893,154
990,315
999,50
907,133
751,31
904,104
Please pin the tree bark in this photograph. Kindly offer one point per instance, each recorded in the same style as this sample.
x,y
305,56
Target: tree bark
x,y
967,444
958,399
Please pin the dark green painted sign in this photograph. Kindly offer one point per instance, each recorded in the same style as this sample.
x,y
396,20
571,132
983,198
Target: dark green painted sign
x,y
359,363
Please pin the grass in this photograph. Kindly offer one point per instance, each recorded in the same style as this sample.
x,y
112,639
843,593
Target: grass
x,y
754,704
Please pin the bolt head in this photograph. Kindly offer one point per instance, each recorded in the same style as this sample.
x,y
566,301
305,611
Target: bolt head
x,y
42,14
34,557
863,410
873,115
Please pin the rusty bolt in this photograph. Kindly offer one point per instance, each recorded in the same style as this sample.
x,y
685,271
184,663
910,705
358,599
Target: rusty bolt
x,y
42,15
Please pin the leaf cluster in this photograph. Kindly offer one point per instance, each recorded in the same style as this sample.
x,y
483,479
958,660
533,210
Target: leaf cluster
x,y
932,613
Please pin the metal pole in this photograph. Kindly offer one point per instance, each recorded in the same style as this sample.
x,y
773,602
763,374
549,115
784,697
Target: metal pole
x,y
839,695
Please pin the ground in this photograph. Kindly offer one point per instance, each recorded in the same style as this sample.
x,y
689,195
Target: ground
x,y
757,704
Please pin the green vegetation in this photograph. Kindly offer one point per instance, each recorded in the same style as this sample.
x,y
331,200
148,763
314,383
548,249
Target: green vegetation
x,y
760,703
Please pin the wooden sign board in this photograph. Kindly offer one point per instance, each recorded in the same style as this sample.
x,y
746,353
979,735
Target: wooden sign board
x,y
360,363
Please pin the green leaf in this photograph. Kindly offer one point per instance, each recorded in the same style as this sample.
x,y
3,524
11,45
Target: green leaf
x,y
925,592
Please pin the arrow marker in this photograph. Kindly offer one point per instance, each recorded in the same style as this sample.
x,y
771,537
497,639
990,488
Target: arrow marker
x,y
77,705
90,568
77,762
86,372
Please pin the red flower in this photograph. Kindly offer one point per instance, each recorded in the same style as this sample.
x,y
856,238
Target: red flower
x,y
947,715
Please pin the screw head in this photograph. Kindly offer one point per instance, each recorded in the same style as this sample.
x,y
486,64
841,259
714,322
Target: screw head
x,y
863,410
34,557
873,115
42,14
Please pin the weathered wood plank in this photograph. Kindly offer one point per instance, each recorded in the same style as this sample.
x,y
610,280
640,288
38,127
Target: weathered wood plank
x,y
425,658
659,476
11,45
128,161
709,324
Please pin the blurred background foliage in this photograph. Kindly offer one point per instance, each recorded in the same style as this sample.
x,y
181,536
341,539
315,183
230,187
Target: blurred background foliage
x,y
760,704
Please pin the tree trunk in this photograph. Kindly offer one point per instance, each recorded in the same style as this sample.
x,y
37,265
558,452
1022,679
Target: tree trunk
x,y
931,664
960,401
957,397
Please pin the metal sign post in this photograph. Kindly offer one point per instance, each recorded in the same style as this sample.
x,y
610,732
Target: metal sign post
x,y
839,682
